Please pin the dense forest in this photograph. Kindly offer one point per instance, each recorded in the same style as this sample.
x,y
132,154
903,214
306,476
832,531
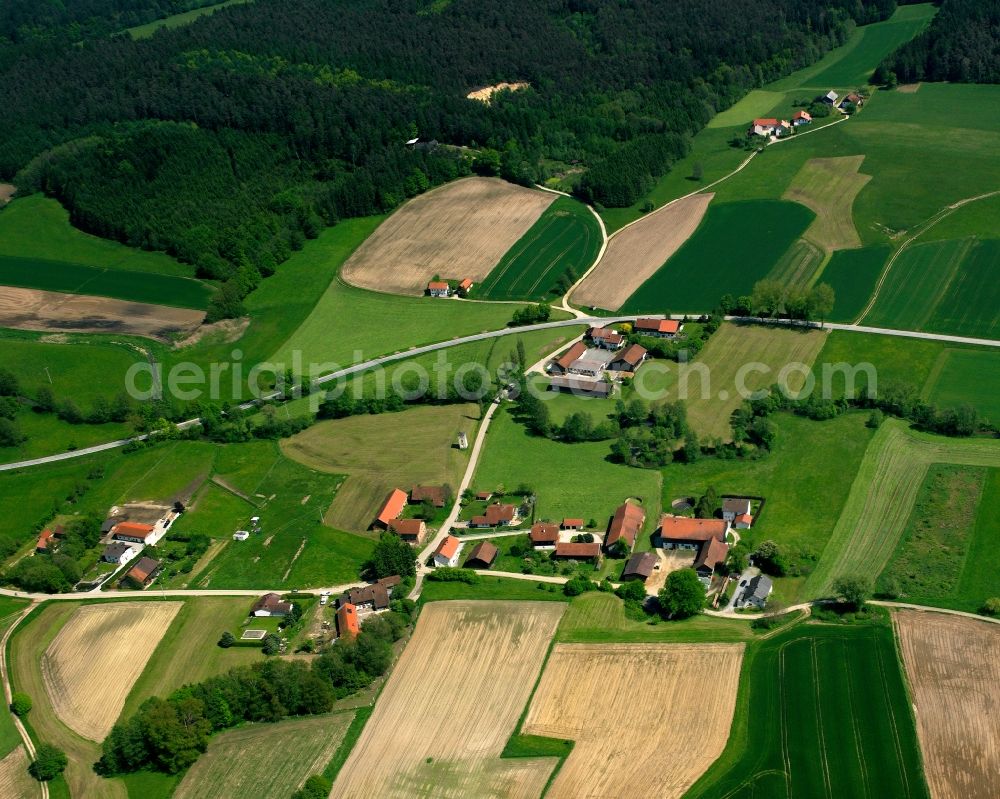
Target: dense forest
x,y
229,141
962,44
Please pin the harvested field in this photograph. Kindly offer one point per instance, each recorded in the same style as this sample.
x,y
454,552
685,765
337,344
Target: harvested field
x,y
456,231
733,347
250,766
451,704
485,95
6,192
91,665
637,252
953,665
626,744
14,778
828,186
908,88
799,265
33,309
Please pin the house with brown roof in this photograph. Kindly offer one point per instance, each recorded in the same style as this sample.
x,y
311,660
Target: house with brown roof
x,y
466,285
571,524
391,508
44,540
733,507
370,597
625,525
347,621
543,535
657,328
743,521
768,126
438,288
801,117
270,605
447,552
577,551
145,571
436,495
707,537
629,360
579,386
412,531
605,337
482,556
134,533
712,553
496,515
562,364
484,496
640,566
854,99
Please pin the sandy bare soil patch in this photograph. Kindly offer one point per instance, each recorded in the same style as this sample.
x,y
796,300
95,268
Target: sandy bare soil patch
x,y
14,778
485,95
828,186
33,309
908,88
953,665
6,192
92,664
648,719
634,255
459,230
450,705
225,331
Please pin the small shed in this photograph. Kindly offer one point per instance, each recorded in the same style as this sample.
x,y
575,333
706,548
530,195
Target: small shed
x,y
482,556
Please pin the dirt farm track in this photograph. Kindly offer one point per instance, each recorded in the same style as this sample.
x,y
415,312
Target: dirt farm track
x,y
459,230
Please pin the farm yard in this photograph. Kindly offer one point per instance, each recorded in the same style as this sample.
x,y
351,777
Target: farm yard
x,y
382,452
737,244
247,762
659,748
828,187
559,247
952,668
882,496
466,674
712,399
822,711
96,642
459,230
634,255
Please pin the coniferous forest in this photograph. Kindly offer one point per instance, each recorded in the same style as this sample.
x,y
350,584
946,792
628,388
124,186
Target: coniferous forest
x,y
229,141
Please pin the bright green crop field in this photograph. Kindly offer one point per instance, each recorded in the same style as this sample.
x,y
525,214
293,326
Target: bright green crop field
x,y
823,711
966,376
853,275
736,245
565,237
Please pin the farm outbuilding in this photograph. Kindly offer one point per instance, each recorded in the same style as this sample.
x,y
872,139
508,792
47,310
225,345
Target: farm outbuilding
x,y
543,535
410,530
391,508
625,525
270,605
145,571
482,556
347,621
640,566
118,552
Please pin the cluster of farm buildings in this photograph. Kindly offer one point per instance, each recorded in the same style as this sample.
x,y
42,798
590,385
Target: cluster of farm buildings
x,y
775,128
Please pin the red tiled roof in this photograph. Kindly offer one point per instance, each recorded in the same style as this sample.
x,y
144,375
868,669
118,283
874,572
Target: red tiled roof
x,y
44,538
801,115
657,325
633,355
567,549
625,524
572,354
406,526
682,528
448,547
437,285
392,507
572,523
497,513
766,121
143,569
466,284
133,530
542,533
745,517
347,620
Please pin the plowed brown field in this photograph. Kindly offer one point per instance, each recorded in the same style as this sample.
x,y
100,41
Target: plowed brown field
x,y
648,719
953,665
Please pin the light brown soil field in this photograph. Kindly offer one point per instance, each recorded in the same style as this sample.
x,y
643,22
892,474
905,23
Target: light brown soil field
x,y
634,254
91,665
648,719
908,88
459,230
33,309
247,763
382,452
828,186
15,782
450,705
485,95
953,665
6,192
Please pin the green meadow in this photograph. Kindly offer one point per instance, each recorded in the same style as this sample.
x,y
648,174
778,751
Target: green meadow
x,y
823,710
853,275
966,376
565,237
736,245
177,20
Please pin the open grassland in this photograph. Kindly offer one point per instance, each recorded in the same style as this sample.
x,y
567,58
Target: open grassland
x,y
382,452
882,497
657,748
459,230
635,254
939,559
600,618
566,238
465,675
48,434
953,665
811,465
943,287
853,275
15,782
188,651
10,611
799,265
26,650
38,228
735,246
91,665
754,104
961,377
822,711
177,20
264,761
719,376
828,186
216,512
562,475
978,218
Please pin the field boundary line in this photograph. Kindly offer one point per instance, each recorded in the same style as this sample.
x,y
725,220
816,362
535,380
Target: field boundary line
x,y
892,716
859,750
29,746
824,762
